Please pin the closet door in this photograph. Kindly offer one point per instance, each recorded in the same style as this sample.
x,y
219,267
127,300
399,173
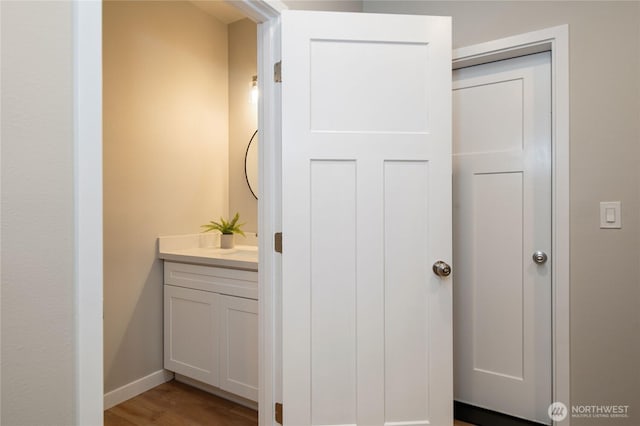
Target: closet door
x,y
502,216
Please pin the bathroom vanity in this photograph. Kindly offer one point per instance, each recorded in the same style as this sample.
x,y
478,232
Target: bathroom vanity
x,y
211,315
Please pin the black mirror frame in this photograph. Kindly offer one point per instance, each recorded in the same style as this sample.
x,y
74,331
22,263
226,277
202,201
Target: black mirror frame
x,y
246,154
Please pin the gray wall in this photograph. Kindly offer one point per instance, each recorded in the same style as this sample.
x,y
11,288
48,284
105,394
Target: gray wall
x,y
327,5
605,160
37,242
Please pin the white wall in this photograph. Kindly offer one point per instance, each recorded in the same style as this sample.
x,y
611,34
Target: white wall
x,y
165,162
605,155
243,118
37,211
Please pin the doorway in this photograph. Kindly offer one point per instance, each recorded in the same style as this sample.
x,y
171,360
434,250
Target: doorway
x,y
555,42
502,236
177,110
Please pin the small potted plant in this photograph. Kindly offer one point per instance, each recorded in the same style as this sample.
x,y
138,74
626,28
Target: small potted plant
x,y
227,229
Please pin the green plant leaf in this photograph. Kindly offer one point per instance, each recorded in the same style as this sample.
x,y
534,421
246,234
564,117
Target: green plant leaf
x,y
225,227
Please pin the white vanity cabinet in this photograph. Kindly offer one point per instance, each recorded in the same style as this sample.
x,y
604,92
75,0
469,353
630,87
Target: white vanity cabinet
x,y
211,326
191,333
239,346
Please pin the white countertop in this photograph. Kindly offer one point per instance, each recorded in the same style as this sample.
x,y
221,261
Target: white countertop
x,y
203,249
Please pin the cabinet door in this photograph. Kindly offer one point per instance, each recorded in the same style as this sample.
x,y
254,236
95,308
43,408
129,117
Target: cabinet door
x,y
191,333
239,346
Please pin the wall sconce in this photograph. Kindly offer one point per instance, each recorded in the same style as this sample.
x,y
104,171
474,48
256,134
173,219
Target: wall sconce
x,y
254,89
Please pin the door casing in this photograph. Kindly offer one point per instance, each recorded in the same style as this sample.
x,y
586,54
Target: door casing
x,y
87,81
555,40
88,238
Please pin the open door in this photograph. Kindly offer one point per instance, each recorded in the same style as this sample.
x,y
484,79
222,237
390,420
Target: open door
x,y
366,201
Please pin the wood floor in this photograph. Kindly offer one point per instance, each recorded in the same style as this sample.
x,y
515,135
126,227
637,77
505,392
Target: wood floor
x,y
176,404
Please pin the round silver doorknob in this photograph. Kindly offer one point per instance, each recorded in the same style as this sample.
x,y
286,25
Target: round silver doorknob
x,y
539,257
441,269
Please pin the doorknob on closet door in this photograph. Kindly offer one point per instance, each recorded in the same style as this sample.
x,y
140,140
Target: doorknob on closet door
x,y
441,269
539,257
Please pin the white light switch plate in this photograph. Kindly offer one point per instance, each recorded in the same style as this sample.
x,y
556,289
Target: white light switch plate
x,y
610,215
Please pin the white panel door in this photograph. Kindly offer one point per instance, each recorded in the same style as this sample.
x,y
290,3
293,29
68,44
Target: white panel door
x,y
366,170
502,215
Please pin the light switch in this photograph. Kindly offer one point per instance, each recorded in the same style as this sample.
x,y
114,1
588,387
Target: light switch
x,y
610,215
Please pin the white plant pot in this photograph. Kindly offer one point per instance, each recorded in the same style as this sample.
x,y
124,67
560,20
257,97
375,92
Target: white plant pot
x,y
226,241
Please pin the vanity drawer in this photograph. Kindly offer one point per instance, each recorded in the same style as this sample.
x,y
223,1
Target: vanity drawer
x,y
233,282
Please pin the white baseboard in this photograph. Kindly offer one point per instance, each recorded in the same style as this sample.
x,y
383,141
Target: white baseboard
x,y
135,388
217,392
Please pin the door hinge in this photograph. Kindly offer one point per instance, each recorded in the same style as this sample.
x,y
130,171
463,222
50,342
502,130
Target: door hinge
x,y
277,239
277,72
279,412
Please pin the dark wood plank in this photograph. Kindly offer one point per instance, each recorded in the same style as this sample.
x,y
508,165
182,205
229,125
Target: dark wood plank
x,y
177,404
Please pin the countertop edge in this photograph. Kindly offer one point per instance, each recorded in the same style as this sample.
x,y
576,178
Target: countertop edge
x,y
209,261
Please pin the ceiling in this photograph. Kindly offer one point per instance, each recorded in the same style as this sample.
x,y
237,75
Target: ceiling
x,y
220,10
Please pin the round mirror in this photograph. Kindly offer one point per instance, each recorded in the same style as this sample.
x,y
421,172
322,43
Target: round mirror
x,y
251,164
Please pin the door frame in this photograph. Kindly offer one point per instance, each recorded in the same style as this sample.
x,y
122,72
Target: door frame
x,y
555,40
267,14
88,238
